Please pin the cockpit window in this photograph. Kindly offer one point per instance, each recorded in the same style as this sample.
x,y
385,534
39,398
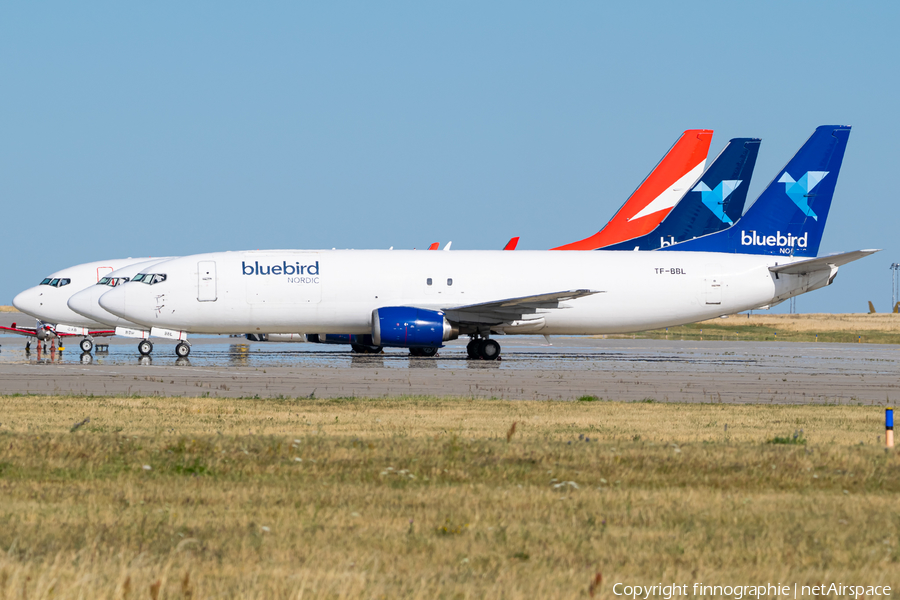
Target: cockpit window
x,y
150,278
54,282
46,281
103,281
65,281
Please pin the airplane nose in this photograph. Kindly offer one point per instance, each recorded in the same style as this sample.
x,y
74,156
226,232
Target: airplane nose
x,y
26,301
83,303
114,301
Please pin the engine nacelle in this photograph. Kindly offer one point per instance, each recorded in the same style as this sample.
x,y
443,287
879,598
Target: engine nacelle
x,y
407,327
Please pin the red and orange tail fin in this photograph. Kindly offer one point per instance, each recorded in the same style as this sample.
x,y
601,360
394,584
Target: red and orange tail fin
x,y
512,243
434,246
657,194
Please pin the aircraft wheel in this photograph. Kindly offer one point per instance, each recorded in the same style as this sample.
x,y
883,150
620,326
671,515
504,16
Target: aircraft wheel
x,y
145,347
416,352
359,348
472,349
488,350
86,345
431,351
182,350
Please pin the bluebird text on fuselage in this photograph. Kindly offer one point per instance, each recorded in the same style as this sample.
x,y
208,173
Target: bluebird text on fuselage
x,y
282,269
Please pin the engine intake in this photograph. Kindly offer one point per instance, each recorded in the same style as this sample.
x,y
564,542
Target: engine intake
x,y
407,327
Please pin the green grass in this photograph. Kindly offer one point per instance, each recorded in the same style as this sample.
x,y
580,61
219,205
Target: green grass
x,y
435,498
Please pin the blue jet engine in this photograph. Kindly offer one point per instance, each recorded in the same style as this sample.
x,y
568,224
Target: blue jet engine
x,y
407,327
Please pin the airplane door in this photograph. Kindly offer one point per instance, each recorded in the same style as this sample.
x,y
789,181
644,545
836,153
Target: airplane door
x,y
206,281
713,290
103,272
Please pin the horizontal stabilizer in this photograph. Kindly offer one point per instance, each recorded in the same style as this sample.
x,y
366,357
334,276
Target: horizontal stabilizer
x,y
821,263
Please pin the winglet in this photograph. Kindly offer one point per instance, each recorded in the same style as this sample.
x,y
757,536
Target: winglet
x,y
872,310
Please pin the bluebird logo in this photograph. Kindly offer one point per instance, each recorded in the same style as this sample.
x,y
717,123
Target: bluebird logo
x,y
784,241
799,191
715,199
283,269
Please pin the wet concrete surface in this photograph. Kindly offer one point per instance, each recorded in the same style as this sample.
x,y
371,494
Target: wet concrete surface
x,y
621,369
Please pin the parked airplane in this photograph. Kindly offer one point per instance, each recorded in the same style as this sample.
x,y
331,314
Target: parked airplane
x,y
713,203
418,300
46,302
656,195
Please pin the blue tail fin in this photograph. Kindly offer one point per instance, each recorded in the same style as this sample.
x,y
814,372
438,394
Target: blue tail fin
x,y
715,202
789,217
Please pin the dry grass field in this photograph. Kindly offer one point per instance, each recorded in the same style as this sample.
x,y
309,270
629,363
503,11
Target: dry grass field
x,y
879,328
436,498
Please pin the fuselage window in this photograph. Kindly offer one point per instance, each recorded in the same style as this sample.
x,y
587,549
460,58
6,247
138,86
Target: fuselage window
x,y
428,281
450,282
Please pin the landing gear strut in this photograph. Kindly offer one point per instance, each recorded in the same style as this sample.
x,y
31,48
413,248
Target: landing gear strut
x,y
145,347
483,349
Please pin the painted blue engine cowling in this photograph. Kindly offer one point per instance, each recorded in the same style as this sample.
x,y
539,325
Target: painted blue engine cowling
x,y
408,327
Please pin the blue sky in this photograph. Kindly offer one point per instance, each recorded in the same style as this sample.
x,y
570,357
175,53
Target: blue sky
x,y
136,129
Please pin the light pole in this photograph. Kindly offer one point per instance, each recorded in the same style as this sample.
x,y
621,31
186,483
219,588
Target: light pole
x,y
895,281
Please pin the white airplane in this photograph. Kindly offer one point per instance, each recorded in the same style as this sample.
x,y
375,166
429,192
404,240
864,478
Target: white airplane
x,y
47,302
418,300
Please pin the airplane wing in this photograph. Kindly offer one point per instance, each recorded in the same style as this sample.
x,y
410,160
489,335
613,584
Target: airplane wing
x,y
511,309
32,332
821,263
27,331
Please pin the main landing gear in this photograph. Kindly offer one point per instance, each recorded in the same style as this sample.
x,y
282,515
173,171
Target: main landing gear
x,y
87,344
483,349
182,349
364,349
145,347
428,351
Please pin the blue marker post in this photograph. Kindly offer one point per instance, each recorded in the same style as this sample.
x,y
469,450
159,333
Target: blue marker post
x,y
889,427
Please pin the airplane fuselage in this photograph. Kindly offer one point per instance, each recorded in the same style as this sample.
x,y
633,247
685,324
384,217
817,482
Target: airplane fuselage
x,y
294,291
